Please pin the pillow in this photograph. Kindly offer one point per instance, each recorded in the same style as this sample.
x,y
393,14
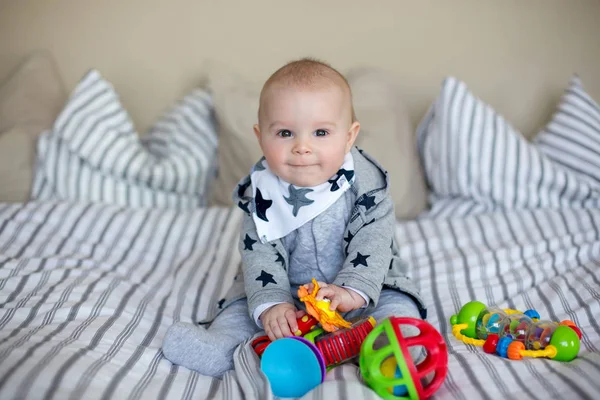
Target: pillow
x,y
93,153
476,161
30,100
386,134
572,138
236,109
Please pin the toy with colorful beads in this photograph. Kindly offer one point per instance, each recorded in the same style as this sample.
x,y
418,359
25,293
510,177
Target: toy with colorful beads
x,y
514,334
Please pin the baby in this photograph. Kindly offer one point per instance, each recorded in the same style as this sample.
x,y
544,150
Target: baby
x,y
315,206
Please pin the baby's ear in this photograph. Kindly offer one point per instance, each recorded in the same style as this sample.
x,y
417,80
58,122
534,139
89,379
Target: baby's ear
x,y
352,134
257,131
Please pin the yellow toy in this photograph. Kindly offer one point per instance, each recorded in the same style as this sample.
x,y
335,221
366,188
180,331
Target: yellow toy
x,y
319,309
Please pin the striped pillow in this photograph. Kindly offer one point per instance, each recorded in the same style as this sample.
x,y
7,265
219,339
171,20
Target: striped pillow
x,y
475,161
572,138
93,153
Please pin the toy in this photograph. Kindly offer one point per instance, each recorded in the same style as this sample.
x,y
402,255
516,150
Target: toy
x,y
342,345
514,334
330,320
287,366
287,359
389,369
334,348
306,323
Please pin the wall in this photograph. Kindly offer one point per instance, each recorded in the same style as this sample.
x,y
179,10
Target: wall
x,y
517,55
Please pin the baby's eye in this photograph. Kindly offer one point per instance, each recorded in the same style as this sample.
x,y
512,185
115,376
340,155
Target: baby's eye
x,y
284,133
321,132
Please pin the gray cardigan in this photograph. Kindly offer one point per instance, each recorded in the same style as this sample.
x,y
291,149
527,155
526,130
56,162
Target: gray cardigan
x,y
369,234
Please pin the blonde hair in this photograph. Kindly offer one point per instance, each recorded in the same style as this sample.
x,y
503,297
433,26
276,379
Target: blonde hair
x,y
307,73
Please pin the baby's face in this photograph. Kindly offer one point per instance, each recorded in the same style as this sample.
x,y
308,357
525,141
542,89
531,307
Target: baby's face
x,y
305,134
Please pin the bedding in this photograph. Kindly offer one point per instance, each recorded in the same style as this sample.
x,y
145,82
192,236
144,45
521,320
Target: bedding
x,y
574,128
94,154
476,161
87,290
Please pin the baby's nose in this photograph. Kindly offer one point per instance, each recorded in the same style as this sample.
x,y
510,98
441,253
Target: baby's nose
x,y
301,148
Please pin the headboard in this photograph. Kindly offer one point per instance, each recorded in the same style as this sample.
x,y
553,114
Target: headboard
x,y
516,55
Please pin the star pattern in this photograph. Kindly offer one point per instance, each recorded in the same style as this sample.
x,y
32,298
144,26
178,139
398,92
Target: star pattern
x,y
262,205
248,242
265,278
241,189
280,259
367,201
298,198
342,172
348,239
244,206
360,260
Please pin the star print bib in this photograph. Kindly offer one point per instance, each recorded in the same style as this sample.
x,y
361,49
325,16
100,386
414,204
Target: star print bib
x,y
280,208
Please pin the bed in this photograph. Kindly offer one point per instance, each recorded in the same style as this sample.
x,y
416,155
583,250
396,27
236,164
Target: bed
x,y
90,278
111,232
85,305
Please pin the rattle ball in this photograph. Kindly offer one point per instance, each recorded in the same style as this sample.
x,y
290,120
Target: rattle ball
x,y
388,368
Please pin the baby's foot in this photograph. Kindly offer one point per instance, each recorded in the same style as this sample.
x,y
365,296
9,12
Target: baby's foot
x,y
194,347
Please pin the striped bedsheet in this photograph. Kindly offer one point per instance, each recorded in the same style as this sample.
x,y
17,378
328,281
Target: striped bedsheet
x,y
88,291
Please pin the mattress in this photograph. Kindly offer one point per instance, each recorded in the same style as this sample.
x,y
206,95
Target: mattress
x,y
87,292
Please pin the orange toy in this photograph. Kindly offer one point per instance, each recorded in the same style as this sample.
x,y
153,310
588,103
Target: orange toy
x,y
330,320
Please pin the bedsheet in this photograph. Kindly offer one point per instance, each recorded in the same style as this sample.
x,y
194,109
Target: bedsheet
x,y
87,292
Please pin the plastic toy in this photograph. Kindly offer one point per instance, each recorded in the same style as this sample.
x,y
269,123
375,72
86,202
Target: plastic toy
x,y
333,348
298,371
286,365
388,368
286,361
342,345
514,334
305,323
330,320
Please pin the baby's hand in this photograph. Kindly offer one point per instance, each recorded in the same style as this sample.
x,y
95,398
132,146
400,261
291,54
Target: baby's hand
x,y
342,299
280,320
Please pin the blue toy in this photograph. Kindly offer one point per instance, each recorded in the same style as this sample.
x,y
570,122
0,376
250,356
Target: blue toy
x,y
284,360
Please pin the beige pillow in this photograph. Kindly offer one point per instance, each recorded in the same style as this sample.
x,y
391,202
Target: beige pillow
x,y
386,134
236,108
30,99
